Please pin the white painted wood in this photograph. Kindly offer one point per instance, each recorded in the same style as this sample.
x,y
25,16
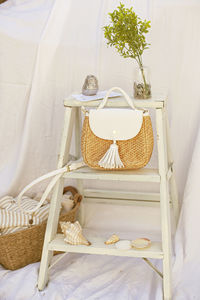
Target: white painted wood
x,y
174,196
153,267
170,172
55,201
157,101
121,201
98,247
164,203
121,195
157,250
66,137
141,175
57,260
78,126
173,185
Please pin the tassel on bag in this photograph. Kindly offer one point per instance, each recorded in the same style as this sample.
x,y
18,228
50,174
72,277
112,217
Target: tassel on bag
x,y
111,159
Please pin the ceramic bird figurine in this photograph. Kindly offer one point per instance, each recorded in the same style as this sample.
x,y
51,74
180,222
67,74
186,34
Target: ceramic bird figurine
x,y
90,86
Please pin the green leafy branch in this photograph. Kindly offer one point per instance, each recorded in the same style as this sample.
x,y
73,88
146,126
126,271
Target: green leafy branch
x,y
126,32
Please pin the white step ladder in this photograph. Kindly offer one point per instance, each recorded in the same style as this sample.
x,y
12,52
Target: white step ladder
x,y
164,175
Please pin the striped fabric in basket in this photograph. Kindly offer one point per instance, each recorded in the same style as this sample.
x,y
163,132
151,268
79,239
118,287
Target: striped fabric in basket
x,y
13,219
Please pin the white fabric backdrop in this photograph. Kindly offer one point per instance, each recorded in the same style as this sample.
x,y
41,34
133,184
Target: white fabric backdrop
x,y
47,49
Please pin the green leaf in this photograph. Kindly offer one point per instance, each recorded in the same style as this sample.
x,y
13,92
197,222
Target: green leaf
x,y
126,32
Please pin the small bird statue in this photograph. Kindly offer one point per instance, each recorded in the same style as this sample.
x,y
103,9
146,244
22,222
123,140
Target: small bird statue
x,y
90,86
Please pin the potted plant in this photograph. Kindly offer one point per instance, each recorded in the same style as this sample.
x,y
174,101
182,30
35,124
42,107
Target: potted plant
x,y
126,32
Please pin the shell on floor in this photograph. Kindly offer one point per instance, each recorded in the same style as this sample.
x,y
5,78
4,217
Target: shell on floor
x,y
73,233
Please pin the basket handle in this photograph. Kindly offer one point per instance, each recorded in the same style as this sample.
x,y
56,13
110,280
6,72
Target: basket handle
x,y
128,99
76,196
70,189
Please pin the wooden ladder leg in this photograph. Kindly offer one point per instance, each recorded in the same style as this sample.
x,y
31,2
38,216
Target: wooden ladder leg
x,y
173,186
164,203
55,204
78,126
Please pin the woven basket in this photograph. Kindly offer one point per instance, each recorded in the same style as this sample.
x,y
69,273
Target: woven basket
x,y
25,247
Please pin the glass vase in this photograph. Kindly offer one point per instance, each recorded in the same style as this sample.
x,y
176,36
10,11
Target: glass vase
x,y
142,86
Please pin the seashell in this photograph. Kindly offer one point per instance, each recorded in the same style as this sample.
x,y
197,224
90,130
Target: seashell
x,y
123,245
90,86
73,233
112,240
141,243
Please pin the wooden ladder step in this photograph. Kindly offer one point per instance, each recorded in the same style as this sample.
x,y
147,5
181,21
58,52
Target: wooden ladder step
x,y
98,247
141,175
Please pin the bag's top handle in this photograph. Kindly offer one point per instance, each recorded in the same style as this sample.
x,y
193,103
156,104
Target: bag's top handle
x,y
56,174
128,99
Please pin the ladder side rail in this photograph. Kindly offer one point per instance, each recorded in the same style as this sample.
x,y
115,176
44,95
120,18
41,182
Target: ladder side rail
x,y
55,203
78,127
173,185
164,203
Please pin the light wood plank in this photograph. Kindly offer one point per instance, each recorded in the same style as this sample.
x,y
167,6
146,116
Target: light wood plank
x,y
141,175
78,125
157,101
129,195
121,197
164,203
98,247
173,185
54,210
122,201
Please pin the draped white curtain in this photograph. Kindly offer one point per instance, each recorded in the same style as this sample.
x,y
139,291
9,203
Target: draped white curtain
x,y
49,46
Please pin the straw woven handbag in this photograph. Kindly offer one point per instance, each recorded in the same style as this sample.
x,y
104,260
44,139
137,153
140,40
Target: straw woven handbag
x,y
117,138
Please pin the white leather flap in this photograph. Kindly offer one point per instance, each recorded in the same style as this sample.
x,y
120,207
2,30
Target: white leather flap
x,y
115,123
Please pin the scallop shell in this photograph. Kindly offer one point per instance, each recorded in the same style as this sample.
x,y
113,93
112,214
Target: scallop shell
x,y
141,243
123,245
112,240
73,233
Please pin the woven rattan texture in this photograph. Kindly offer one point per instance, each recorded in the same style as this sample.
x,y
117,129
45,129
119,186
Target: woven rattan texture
x,y
25,247
135,153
